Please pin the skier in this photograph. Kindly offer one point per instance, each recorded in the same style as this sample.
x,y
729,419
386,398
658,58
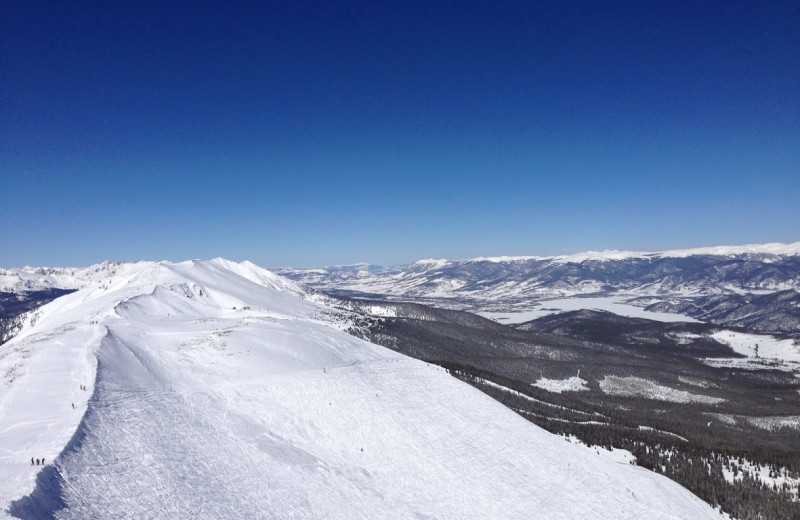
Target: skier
x,y
31,461
37,462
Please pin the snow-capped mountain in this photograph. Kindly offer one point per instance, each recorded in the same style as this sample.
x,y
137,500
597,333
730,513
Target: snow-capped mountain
x,y
42,278
213,389
101,275
711,284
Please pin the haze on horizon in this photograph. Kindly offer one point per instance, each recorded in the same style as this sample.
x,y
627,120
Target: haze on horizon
x,y
306,134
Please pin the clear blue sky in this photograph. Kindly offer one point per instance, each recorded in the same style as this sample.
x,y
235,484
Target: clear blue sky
x,y
319,133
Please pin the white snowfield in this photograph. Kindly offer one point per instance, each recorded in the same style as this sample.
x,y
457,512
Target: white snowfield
x,y
219,390
570,384
760,345
761,351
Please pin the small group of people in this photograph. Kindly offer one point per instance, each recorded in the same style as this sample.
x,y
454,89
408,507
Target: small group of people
x,y
37,461
83,387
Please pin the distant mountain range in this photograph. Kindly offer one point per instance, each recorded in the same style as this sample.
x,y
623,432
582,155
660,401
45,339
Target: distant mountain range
x,y
753,286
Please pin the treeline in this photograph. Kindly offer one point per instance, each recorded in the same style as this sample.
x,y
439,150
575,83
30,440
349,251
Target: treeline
x,y
13,306
678,447
702,473
9,327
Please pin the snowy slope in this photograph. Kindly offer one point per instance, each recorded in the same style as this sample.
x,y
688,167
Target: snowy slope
x,y
219,390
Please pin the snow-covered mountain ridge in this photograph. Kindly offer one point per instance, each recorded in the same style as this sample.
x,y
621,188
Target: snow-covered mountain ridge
x,y
99,275
716,284
578,269
217,389
775,248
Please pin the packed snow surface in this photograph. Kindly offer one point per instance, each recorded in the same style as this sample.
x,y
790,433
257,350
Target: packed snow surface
x,y
219,390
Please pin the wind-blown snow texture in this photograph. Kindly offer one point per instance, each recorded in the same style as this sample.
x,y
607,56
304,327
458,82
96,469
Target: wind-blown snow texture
x,y
220,390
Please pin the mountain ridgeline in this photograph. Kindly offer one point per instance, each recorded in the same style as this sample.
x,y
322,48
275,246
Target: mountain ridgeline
x,y
757,287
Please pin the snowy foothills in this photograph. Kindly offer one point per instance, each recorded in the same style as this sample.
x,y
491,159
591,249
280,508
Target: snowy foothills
x,y
216,389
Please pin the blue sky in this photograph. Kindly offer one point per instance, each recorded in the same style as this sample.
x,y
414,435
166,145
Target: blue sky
x,y
308,134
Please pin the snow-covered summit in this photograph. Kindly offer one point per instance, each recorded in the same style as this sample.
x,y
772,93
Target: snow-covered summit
x,y
36,278
774,248
216,389
431,263
777,249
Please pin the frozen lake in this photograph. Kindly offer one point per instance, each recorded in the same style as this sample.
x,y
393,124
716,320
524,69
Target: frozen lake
x,y
610,304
